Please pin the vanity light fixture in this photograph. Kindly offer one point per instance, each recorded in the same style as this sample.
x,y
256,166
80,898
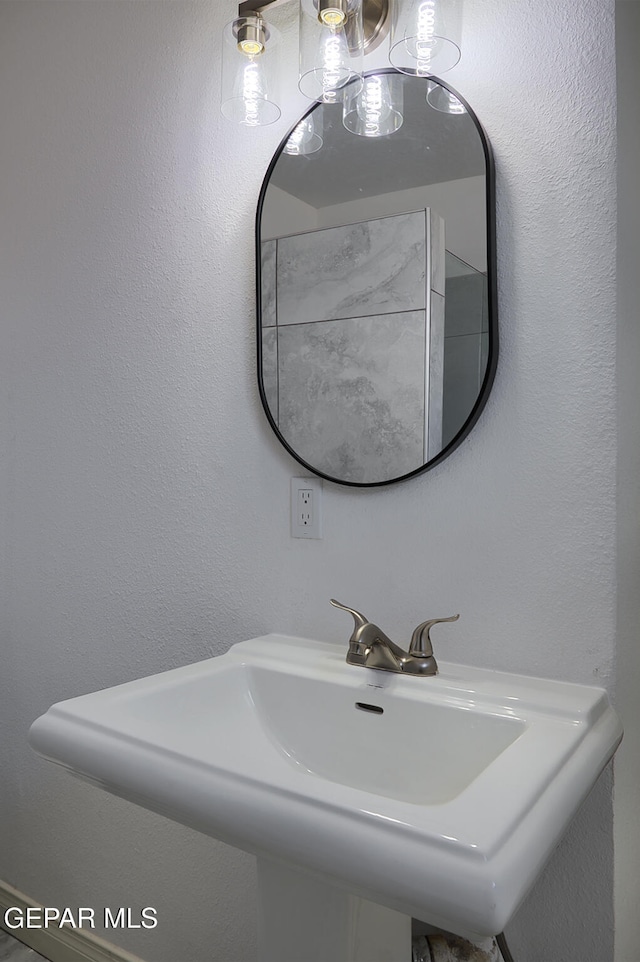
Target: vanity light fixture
x,y
334,37
248,67
330,46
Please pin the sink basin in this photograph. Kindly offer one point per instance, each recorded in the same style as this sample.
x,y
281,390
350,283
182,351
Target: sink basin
x,y
437,797
415,750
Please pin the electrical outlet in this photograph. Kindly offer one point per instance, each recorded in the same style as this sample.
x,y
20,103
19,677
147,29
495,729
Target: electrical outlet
x,y
306,508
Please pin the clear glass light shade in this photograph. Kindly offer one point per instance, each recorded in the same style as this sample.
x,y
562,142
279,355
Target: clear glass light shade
x,y
250,72
331,50
374,110
306,137
443,100
426,36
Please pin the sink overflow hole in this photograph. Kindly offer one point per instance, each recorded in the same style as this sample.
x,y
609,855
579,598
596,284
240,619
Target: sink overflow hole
x,y
363,706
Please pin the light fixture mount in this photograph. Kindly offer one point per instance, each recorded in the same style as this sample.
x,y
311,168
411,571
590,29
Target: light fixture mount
x,y
252,34
376,23
375,17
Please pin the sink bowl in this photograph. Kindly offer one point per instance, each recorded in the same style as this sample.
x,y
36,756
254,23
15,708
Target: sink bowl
x,y
438,797
414,750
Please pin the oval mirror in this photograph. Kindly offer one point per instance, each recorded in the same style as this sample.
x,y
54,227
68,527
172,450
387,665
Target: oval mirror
x,y
377,326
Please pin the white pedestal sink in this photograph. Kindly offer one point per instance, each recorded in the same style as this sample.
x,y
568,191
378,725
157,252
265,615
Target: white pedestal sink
x,y
368,797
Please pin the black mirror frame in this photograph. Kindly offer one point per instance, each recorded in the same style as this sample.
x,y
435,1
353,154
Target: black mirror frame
x,y
492,306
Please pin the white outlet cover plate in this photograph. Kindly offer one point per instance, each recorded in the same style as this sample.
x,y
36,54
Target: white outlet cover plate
x,y
313,528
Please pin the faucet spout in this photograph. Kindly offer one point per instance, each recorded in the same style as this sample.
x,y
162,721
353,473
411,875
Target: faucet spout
x,y
385,655
366,637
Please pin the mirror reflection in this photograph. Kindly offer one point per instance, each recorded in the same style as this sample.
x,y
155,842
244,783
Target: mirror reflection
x,y
377,328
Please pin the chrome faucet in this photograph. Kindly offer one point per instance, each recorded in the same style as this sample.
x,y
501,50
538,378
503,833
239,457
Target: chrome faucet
x,y
370,647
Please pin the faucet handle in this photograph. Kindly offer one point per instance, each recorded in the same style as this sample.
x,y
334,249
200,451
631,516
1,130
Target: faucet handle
x,y
359,619
421,645
358,646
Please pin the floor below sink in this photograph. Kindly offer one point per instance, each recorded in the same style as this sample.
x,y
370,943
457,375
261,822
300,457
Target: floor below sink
x,y
11,950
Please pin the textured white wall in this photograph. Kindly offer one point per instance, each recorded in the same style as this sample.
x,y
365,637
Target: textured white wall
x,y
144,501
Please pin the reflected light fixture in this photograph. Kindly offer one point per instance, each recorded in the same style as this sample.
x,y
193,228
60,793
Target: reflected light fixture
x,y
443,100
375,109
334,37
306,137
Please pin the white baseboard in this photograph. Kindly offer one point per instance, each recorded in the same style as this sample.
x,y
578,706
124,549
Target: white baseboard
x,y
59,945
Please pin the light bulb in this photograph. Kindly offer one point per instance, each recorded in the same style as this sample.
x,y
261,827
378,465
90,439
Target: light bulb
x,y
333,57
333,13
251,47
420,43
253,91
250,104
332,17
252,36
425,29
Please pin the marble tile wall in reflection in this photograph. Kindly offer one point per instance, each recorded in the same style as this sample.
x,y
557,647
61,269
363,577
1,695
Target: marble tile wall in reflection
x,y
352,394
268,282
437,245
361,269
346,313
270,369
